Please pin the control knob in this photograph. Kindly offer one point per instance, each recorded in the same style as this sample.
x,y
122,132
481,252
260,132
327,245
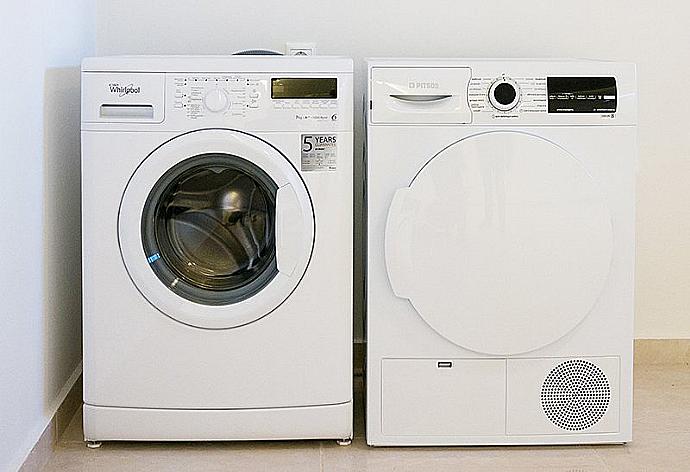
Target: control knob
x,y
504,94
216,100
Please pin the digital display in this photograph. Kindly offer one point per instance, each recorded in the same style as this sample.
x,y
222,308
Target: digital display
x,y
582,94
304,88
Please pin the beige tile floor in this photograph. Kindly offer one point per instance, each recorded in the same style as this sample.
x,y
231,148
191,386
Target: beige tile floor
x,y
661,443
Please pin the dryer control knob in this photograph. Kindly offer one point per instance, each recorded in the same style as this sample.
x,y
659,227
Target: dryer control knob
x,y
504,94
216,100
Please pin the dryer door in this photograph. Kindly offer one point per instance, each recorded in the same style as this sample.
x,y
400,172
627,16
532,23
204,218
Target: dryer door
x,y
216,228
502,242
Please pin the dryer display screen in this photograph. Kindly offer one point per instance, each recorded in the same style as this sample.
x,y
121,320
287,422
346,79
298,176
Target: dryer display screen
x,y
304,88
582,94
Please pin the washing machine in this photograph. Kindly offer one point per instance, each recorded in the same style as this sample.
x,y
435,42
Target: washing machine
x,y
217,247
500,240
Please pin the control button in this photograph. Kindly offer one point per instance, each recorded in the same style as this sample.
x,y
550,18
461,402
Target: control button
x,y
504,94
178,104
216,100
333,105
254,95
253,105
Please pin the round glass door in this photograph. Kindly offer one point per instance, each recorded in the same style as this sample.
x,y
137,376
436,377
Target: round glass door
x,y
216,228
208,226
502,242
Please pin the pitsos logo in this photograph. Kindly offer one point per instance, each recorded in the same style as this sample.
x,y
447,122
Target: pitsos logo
x,y
422,85
123,90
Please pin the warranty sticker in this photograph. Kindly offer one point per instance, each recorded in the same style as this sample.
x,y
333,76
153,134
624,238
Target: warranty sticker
x,y
319,152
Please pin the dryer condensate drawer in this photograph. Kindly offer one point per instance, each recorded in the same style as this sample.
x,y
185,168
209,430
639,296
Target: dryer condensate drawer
x,y
443,397
424,95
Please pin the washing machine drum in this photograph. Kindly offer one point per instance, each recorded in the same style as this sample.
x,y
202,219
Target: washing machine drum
x,y
218,238
211,220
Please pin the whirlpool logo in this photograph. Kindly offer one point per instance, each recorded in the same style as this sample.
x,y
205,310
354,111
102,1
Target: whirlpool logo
x,y
123,90
413,84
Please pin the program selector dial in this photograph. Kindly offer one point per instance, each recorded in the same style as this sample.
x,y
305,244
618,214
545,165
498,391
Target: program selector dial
x,y
216,100
504,94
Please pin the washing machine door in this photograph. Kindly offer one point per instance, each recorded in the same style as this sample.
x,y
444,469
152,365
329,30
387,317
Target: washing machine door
x,y
216,228
502,242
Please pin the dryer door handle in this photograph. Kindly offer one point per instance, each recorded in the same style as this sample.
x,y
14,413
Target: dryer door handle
x,y
398,246
420,98
289,229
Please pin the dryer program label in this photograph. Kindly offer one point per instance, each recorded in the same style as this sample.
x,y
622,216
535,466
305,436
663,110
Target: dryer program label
x,y
319,152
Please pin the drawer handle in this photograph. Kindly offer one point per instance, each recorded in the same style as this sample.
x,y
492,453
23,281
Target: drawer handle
x,y
420,98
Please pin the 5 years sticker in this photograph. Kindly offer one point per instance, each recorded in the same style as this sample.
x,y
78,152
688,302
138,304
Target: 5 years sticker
x,y
319,152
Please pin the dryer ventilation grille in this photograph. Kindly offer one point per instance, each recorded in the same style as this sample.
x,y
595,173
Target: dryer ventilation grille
x,y
575,395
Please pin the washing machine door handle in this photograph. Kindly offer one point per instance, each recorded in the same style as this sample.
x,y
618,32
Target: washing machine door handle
x,y
398,245
289,230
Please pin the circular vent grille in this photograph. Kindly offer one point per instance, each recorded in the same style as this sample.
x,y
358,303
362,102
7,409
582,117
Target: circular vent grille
x,y
575,395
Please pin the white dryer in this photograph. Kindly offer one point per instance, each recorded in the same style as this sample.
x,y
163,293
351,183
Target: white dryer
x,y
217,247
501,222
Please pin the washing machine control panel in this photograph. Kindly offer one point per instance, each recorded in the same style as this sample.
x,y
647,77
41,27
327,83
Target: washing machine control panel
x,y
201,96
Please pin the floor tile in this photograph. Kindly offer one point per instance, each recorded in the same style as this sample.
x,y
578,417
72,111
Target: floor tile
x,y
649,452
360,457
661,442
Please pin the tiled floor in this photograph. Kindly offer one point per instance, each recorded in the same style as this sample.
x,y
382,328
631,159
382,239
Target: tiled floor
x,y
661,443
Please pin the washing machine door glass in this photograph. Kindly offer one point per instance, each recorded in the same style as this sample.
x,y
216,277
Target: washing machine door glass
x,y
216,228
210,219
502,242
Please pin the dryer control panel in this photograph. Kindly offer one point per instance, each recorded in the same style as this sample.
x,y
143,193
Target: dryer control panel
x,y
510,92
506,96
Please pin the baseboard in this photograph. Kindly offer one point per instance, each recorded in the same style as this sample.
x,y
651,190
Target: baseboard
x,y
662,351
66,405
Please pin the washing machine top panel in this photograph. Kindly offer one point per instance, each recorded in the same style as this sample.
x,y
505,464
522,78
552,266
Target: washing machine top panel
x,y
216,228
502,242
178,93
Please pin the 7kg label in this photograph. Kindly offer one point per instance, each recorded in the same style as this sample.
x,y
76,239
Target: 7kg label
x,y
319,152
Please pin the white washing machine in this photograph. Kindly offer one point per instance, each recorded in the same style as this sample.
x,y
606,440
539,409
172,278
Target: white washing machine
x,y
501,218
217,248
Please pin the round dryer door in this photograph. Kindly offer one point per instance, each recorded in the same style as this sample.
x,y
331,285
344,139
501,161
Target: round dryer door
x,y
502,242
216,228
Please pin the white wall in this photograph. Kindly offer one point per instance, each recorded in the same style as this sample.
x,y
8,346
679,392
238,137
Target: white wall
x,y
40,320
655,35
